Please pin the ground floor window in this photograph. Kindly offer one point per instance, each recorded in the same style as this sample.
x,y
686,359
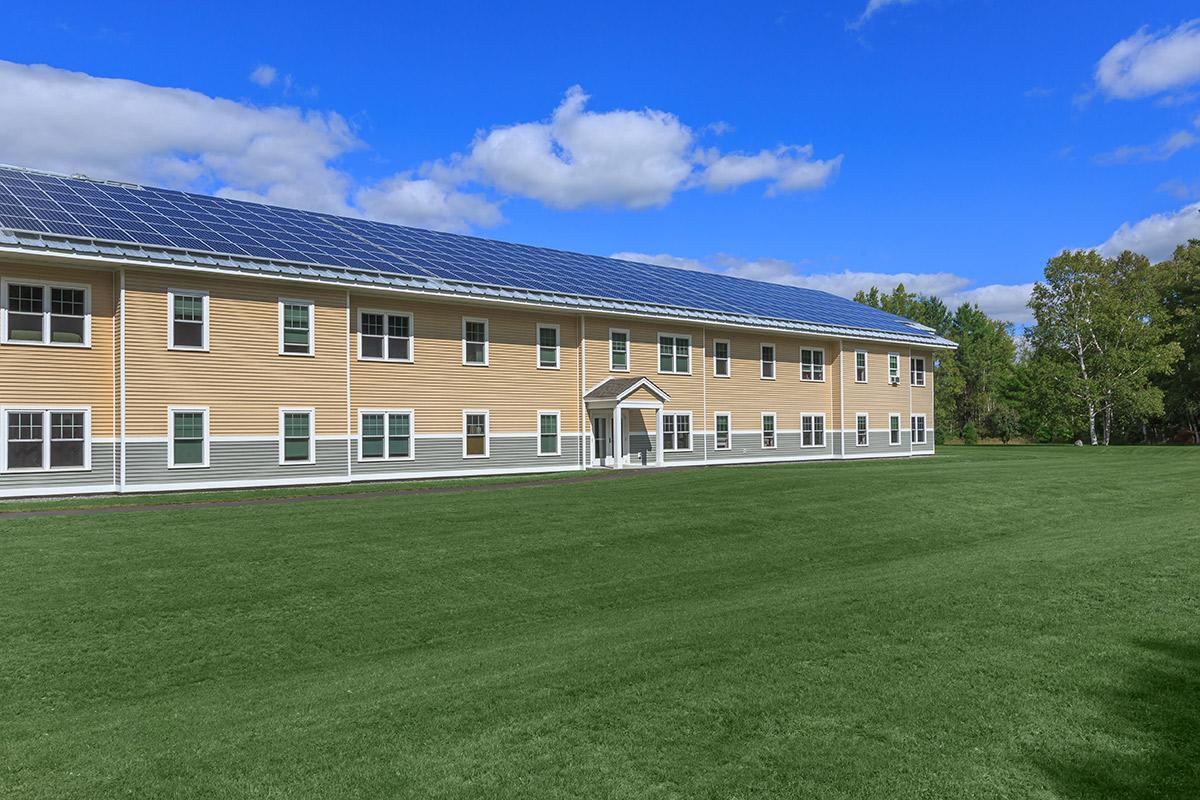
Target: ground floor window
x,y
918,429
768,431
475,434
384,435
722,430
188,435
863,433
894,429
38,439
812,430
296,436
548,441
677,431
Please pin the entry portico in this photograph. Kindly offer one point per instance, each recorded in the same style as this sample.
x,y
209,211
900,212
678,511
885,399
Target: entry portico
x,y
608,406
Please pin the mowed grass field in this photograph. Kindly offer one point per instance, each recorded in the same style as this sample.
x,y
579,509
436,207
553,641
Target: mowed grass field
x,y
993,622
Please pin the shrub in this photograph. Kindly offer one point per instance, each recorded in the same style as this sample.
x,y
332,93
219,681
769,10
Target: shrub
x,y
969,434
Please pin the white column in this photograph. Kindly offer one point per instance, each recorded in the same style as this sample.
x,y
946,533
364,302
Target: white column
x,y
616,429
658,436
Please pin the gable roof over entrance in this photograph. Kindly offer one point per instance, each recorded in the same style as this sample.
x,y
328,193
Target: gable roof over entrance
x,y
126,223
617,389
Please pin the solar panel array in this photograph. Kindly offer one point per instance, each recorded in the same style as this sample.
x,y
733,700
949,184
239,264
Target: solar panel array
x,y
150,217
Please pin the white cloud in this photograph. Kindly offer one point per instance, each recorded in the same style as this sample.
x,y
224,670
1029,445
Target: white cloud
x,y
1179,140
288,156
787,169
1155,236
1149,63
264,75
427,203
634,159
873,8
1002,301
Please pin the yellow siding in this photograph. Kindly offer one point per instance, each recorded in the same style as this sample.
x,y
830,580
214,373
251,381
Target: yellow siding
x,y
44,375
686,391
242,378
876,397
745,394
922,396
438,386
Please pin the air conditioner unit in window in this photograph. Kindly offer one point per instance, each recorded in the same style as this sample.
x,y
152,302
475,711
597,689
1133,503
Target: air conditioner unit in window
x,y
894,380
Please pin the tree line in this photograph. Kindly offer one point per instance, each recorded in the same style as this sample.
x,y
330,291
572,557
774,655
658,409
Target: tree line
x,y
1113,354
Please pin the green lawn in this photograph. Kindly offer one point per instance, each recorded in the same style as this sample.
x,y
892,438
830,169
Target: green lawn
x,y
994,622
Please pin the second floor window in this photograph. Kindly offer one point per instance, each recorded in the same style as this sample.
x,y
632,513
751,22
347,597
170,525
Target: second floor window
x,y
918,371
812,365
768,362
618,351
720,358
674,354
189,320
547,346
475,342
40,314
295,327
384,337
860,366
893,368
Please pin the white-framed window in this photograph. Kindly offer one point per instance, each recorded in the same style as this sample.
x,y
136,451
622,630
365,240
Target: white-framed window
x,y
860,366
296,328
766,355
918,429
385,336
549,442
618,350
476,434
474,342
675,354
722,424
893,429
812,430
862,433
385,434
187,319
46,439
721,358
187,437
812,364
677,431
34,312
917,373
768,431
547,346
297,440
893,369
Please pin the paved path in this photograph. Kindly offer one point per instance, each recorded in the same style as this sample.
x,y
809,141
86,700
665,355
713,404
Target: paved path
x,y
588,477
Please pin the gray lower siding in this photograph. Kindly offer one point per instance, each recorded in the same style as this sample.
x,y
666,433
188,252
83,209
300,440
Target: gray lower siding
x,y
446,455
232,461
100,475
879,444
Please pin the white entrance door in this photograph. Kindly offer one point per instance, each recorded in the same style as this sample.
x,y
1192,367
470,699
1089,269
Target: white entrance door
x,y
602,445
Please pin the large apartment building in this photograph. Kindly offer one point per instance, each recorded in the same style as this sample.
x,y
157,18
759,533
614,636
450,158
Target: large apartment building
x,y
153,340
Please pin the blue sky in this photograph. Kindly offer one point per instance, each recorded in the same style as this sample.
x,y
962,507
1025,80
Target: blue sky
x,y
953,144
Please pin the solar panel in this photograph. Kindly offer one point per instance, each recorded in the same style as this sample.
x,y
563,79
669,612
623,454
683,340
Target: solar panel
x,y
145,216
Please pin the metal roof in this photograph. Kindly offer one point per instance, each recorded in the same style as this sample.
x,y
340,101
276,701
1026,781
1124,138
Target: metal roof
x,y
110,221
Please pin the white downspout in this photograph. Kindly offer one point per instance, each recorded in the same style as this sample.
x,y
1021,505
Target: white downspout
x,y
616,448
121,485
842,391
584,452
349,430
704,386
